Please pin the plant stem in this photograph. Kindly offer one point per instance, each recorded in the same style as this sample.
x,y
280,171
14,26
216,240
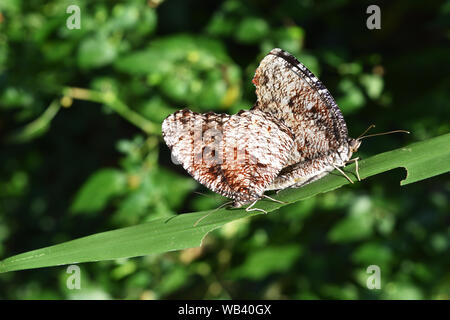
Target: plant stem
x,y
37,126
111,100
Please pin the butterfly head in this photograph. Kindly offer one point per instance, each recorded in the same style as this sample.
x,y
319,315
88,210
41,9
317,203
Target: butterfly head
x,y
353,145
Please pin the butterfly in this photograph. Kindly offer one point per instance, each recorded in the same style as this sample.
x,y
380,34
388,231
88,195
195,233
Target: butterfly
x,y
292,136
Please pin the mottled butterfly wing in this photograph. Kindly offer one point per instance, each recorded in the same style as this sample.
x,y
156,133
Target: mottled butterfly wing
x,y
236,156
289,92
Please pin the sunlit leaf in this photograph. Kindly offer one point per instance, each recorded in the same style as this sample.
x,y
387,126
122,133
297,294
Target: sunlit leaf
x,y
96,52
422,160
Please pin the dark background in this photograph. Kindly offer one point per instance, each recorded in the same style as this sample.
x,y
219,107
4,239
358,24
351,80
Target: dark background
x,y
72,167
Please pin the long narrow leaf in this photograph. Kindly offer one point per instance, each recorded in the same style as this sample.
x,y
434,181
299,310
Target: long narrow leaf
x,y
422,160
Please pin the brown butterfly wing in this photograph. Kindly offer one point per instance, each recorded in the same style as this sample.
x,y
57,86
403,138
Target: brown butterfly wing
x,y
289,92
236,156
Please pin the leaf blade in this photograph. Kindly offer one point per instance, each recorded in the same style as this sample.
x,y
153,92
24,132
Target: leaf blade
x,y
179,232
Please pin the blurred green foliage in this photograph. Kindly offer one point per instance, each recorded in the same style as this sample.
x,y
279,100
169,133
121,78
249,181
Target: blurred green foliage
x,y
89,166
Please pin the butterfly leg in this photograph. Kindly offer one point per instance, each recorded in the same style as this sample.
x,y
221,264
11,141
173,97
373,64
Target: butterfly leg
x,y
356,167
212,211
250,207
342,172
274,200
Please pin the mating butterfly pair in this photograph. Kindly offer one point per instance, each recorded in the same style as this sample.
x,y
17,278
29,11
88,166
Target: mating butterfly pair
x,y
293,135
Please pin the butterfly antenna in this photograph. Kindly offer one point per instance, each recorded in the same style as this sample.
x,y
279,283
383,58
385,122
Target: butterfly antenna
x,y
383,133
212,211
365,131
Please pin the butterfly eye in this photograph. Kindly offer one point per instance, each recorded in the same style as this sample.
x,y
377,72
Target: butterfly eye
x,y
354,145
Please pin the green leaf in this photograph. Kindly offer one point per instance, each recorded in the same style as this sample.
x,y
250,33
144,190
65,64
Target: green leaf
x,y
373,84
173,280
96,52
352,228
268,260
358,225
402,290
290,39
352,99
422,160
98,189
13,97
190,70
373,253
252,30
